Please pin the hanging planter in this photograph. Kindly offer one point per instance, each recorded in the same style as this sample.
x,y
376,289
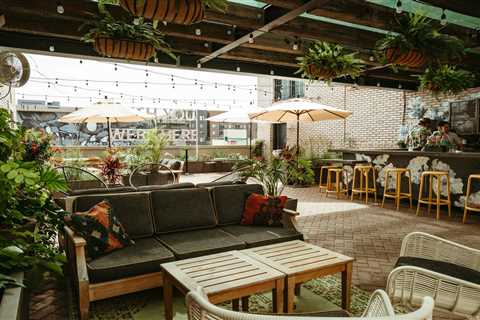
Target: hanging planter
x,y
324,61
446,80
417,42
118,39
184,12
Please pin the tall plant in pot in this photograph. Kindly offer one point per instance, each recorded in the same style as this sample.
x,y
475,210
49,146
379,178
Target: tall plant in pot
x,y
446,80
29,219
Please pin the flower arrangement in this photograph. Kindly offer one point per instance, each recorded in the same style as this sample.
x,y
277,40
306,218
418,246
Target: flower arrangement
x,y
37,145
110,168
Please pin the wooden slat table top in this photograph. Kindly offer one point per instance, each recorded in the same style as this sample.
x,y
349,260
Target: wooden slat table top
x,y
297,256
221,272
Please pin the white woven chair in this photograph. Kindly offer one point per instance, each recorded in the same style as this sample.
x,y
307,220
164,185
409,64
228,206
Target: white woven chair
x,y
407,285
379,308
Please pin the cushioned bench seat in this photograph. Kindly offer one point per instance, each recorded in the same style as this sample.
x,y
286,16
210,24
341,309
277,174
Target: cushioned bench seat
x,y
142,258
442,267
195,243
255,236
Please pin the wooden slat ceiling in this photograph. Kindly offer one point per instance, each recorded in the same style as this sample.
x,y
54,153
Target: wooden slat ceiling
x,y
223,42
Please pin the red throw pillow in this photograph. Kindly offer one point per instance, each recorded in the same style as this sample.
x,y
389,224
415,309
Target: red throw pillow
x,y
263,210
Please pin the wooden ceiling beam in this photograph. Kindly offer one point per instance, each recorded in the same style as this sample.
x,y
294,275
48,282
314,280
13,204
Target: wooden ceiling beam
x,y
467,7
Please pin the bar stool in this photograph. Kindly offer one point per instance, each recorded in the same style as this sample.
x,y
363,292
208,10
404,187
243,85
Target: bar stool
x,y
469,190
322,186
339,185
364,172
438,201
398,194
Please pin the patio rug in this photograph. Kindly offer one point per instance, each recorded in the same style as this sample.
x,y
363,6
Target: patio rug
x,y
322,294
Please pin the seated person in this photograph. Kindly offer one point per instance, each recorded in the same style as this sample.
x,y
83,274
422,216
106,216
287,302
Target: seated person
x,y
444,136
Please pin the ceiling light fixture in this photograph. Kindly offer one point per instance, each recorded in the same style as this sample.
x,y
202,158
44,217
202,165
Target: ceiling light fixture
x,y
443,18
399,7
60,8
250,38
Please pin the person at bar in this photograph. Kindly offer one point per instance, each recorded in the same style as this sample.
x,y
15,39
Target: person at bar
x,y
444,136
418,136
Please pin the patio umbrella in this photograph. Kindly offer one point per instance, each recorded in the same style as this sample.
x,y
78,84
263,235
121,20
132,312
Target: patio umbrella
x,y
106,112
238,116
299,109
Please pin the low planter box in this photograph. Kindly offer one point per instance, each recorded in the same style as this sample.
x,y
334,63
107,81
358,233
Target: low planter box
x,y
14,301
209,166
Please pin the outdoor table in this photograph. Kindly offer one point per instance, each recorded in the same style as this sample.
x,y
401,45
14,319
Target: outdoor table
x,y
224,276
345,162
301,262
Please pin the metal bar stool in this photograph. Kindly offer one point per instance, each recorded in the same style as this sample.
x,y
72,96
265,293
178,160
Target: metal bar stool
x,y
339,187
321,185
364,176
398,194
438,201
469,190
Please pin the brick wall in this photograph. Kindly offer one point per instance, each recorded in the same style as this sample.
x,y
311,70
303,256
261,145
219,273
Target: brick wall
x,y
378,115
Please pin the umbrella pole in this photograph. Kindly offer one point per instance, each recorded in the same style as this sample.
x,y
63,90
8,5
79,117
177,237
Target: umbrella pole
x,y
109,133
298,135
250,139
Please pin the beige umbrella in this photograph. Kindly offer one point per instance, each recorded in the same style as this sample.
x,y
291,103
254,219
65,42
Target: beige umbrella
x,y
106,112
299,109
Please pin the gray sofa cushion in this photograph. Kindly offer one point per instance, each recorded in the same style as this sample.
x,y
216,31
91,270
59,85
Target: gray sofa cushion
x,y
184,185
145,256
189,244
229,201
182,209
218,183
255,236
132,209
101,190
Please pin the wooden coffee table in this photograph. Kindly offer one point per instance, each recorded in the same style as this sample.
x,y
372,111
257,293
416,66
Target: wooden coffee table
x,y
225,276
300,262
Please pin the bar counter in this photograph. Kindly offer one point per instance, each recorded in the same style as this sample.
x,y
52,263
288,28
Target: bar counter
x,y
459,164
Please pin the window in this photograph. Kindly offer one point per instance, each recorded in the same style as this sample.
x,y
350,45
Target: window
x,y
286,89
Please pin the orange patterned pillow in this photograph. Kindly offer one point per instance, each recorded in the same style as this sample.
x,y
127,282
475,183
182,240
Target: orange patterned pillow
x,y
100,228
263,210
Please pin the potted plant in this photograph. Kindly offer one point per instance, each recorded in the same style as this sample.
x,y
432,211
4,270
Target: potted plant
x,y
119,39
325,61
29,218
173,11
446,79
416,41
258,149
110,167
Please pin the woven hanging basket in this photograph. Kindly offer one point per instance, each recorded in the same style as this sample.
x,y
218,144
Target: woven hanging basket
x,y
172,11
412,58
320,73
124,49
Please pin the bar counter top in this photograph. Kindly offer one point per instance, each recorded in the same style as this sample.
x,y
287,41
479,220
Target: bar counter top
x,y
402,152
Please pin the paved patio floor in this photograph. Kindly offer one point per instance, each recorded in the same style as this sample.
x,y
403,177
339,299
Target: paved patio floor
x,y
370,234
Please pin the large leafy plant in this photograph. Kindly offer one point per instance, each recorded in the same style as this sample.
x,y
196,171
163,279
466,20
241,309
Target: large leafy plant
x,y
151,150
446,80
325,61
414,31
140,31
29,219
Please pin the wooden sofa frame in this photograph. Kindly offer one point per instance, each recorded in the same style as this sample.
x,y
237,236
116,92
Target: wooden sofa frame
x,y
88,292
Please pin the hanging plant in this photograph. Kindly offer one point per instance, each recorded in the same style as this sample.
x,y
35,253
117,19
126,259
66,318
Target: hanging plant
x,y
417,42
118,39
325,61
173,11
446,79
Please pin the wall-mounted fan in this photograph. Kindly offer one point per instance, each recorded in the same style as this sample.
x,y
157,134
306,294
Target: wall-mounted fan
x,y
14,69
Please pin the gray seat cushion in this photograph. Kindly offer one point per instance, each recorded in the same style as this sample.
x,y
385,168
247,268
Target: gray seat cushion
x,y
184,185
229,201
101,190
255,236
145,256
218,183
132,209
189,244
182,209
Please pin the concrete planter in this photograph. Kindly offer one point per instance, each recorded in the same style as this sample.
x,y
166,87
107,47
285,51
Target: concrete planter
x,y
209,166
14,302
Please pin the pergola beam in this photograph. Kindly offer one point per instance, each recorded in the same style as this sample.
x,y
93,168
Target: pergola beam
x,y
467,7
275,23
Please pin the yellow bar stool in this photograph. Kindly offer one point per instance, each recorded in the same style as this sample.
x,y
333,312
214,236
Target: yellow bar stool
x,y
438,201
397,194
365,185
323,186
339,187
469,190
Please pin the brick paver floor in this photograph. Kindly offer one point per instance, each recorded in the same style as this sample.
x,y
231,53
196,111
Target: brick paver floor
x,y
370,234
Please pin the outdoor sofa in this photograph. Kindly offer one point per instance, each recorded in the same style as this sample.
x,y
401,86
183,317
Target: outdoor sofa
x,y
166,225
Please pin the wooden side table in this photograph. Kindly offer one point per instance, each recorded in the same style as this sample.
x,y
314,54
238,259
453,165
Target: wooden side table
x,y
301,262
224,276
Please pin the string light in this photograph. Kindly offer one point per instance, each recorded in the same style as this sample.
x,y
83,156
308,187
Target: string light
x,y
198,32
60,8
250,38
399,8
116,83
443,18
51,48
115,67
295,46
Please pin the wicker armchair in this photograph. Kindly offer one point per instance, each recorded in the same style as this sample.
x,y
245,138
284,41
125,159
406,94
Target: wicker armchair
x,y
408,284
379,307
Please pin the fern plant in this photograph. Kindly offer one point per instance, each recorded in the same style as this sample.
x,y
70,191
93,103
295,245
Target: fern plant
x,y
325,61
446,79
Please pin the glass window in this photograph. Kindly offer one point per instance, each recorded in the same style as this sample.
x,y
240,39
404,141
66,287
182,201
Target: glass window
x,y
287,89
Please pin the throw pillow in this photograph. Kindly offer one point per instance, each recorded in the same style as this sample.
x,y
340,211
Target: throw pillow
x,y
100,228
263,210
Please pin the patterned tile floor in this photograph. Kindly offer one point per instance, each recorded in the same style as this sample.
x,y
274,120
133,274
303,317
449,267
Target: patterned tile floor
x,y
370,234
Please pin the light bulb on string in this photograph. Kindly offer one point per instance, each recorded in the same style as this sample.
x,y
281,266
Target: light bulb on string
x,y
146,85
75,89
49,84
116,83
99,92
60,8
56,80
250,38
86,83
201,87
216,86
146,73
443,18
399,8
